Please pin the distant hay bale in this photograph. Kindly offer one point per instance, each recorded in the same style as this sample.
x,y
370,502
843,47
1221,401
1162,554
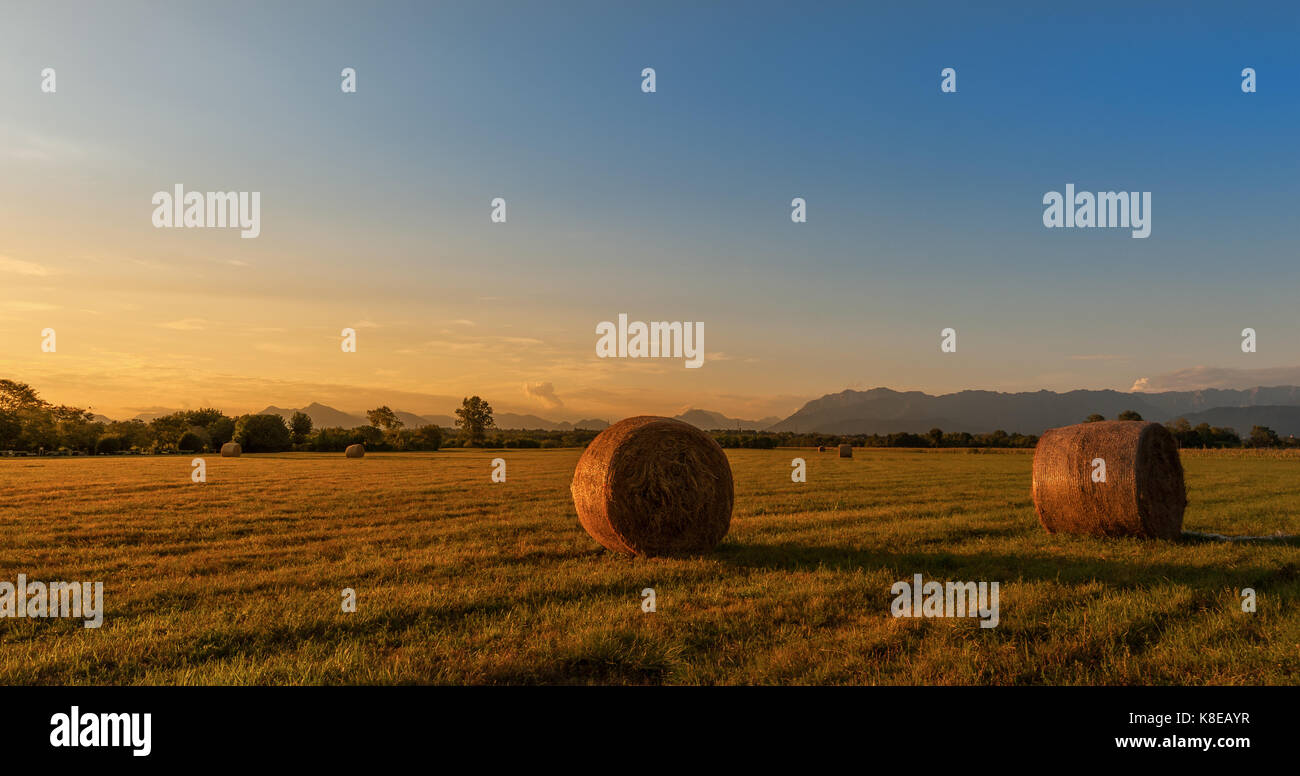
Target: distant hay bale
x,y
355,451
654,486
821,448
231,450
846,451
1143,494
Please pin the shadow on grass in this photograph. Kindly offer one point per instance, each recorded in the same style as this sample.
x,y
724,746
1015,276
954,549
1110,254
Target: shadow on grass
x,y
790,556
1196,537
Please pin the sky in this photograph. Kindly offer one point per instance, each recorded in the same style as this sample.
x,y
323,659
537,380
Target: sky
x,y
924,208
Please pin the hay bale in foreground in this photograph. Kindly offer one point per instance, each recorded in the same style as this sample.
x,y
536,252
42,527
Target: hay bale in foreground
x,y
231,450
654,486
355,451
846,451
1143,494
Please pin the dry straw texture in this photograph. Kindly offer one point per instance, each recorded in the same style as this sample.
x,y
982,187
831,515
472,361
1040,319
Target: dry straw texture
x,y
846,451
1143,493
355,451
231,450
654,486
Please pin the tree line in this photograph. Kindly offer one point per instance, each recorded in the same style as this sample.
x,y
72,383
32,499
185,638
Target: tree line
x,y
935,437
30,424
1205,436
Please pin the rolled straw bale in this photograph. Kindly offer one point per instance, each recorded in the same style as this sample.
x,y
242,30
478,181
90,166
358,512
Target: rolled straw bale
x,y
846,451
231,450
654,486
355,451
1143,494
821,449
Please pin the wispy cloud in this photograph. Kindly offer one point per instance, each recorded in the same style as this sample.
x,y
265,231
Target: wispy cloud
x,y
1199,378
20,267
25,146
30,307
276,347
186,324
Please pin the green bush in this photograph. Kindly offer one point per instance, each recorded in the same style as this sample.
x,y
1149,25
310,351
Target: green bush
x,y
262,434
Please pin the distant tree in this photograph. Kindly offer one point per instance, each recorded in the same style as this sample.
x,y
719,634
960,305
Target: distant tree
x,y
474,418
1182,431
29,422
203,417
1208,436
109,443
957,439
936,436
1128,415
1263,436
190,442
11,429
167,429
300,427
330,440
262,433
24,416
1093,418
17,396
428,438
221,431
133,433
370,436
382,417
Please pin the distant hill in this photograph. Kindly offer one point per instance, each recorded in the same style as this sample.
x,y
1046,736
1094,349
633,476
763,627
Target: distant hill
x,y
411,420
884,411
509,420
321,416
711,421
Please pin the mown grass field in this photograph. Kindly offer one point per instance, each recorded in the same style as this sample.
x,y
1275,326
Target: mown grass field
x,y
461,580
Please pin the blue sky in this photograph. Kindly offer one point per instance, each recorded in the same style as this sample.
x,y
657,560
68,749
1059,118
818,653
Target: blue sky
x,y
924,208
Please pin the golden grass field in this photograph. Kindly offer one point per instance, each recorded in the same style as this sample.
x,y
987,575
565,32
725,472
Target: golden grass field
x,y
460,580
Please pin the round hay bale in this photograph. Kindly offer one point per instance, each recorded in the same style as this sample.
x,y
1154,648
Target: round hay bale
x,y
821,448
231,450
1143,493
355,451
654,486
846,451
